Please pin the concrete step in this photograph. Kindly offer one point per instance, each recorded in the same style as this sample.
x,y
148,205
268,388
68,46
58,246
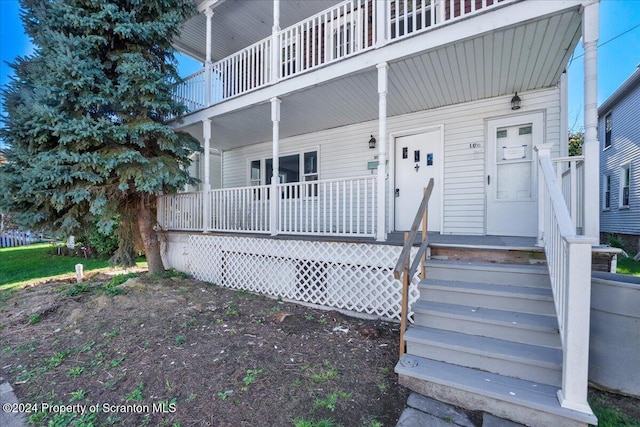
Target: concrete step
x,y
517,360
497,296
482,272
527,402
518,327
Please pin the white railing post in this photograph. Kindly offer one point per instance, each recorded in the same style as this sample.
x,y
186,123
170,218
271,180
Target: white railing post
x,y
207,65
543,151
591,151
276,56
275,177
381,234
206,182
575,360
382,19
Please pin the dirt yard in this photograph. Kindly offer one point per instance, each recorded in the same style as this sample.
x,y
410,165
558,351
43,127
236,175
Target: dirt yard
x,y
174,351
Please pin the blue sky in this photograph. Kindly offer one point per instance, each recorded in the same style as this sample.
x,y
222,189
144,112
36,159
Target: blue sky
x,y
618,52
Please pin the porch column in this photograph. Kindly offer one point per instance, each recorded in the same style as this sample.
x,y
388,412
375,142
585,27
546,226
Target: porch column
x,y
275,177
207,64
206,182
591,146
275,43
381,229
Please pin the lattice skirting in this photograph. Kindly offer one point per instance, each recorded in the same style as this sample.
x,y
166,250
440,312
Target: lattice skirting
x,y
351,276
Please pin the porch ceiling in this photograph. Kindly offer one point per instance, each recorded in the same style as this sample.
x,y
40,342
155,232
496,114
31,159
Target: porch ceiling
x,y
254,17
526,57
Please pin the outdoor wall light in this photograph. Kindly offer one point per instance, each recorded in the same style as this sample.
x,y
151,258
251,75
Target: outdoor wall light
x,y
515,102
372,142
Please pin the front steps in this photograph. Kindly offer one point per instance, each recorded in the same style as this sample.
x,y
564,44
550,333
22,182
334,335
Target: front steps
x,y
485,337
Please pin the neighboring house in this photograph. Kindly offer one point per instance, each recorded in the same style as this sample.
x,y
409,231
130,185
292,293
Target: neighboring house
x,y
619,135
332,116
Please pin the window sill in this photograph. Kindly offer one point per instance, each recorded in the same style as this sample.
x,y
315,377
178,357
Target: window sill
x,y
624,208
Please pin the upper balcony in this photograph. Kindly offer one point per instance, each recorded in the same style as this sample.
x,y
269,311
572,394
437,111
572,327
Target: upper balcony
x,y
321,33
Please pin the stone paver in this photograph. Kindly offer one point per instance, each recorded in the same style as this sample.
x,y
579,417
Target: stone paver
x,y
7,398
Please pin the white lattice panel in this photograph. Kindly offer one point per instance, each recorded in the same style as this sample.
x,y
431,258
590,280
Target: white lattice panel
x,y
351,276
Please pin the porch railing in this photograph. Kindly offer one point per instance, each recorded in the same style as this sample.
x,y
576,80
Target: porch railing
x,y
180,212
570,174
344,30
338,207
335,207
569,261
243,209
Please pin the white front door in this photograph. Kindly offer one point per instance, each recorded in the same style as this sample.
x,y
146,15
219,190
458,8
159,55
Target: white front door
x,y
418,158
512,206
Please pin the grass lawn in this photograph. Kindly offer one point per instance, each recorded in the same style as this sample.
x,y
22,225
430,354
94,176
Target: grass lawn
x,y
628,266
23,264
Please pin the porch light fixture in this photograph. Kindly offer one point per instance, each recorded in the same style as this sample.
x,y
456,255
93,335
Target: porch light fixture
x,y
515,102
372,142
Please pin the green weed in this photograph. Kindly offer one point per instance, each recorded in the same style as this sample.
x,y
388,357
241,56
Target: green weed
x,y
331,400
136,393
34,319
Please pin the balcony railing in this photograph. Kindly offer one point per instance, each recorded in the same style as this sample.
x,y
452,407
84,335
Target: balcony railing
x,y
337,207
342,31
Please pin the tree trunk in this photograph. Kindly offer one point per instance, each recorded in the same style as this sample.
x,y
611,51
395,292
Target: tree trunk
x,y
146,223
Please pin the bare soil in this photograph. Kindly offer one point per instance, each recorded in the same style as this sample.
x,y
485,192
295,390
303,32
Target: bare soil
x,y
174,351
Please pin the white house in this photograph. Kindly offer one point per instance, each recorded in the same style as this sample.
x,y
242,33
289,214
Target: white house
x,y
325,119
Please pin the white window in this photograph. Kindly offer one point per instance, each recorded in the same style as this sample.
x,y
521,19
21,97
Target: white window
x,y
625,185
291,166
606,196
255,173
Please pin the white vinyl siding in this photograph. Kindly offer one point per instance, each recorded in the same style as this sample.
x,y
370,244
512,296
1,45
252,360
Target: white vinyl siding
x,y
344,152
623,152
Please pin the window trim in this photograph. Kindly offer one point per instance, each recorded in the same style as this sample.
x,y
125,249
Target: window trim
x,y
606,187
607,131
302,176
625,183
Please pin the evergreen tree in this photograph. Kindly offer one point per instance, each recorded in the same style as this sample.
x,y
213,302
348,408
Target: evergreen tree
x,y
85,128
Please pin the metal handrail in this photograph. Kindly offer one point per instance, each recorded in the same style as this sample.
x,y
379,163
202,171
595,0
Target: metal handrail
x,y
405,269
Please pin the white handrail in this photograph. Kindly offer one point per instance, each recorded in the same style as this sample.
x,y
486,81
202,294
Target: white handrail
x,y
569,262
240,209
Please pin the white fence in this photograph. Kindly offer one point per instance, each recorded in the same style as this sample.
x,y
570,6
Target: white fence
x,y
569,261
17,238
337,207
